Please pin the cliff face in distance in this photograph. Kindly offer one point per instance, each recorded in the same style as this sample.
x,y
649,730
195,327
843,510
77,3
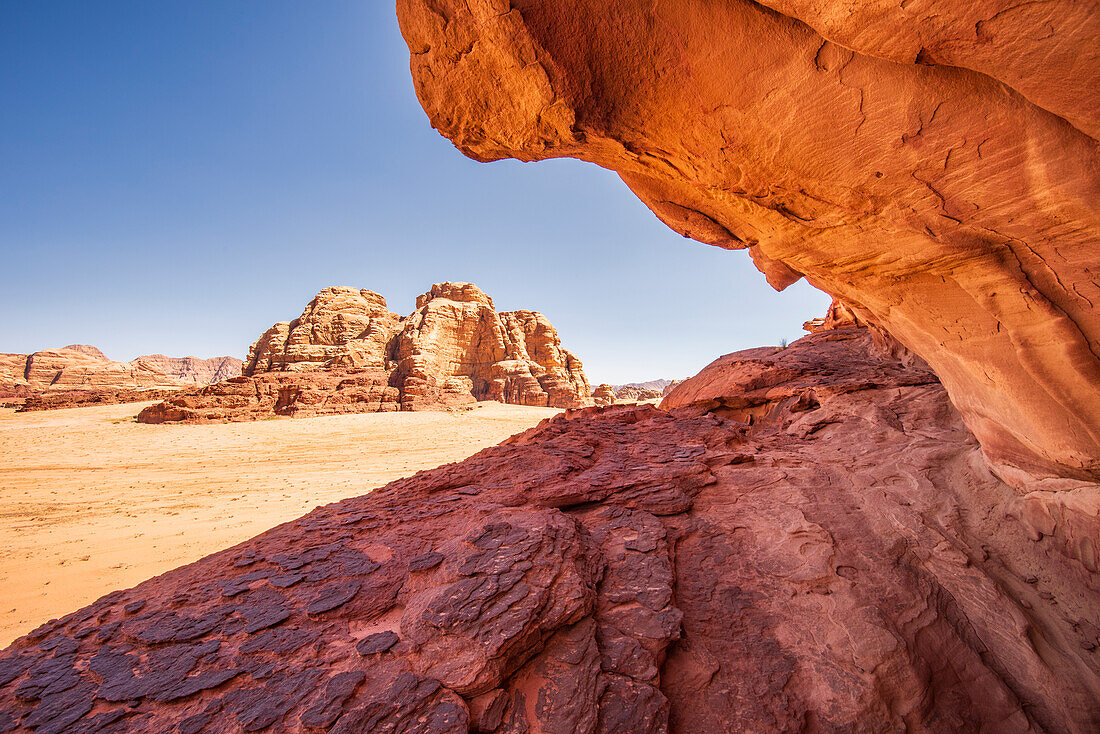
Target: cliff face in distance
x,y
79,374
348,353
935,166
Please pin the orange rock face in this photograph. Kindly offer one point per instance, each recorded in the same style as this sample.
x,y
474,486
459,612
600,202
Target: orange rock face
x,y
456,348
934,166
80,374
340,327
348,353
811,543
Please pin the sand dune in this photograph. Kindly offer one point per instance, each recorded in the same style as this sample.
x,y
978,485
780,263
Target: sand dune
x,y
91,501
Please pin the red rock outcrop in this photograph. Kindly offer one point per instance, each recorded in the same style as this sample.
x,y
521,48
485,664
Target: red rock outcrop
x,y
842,562
82,375
935,166
295,393
61,399
452,350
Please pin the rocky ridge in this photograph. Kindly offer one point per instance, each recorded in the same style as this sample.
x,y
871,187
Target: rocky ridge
x,y
80,374
808,539
348,353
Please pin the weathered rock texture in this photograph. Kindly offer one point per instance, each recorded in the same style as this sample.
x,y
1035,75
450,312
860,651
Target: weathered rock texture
x,y
348,353
812,543
82,375
935,165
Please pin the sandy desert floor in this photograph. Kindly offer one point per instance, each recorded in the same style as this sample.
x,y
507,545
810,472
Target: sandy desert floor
x,y
91,501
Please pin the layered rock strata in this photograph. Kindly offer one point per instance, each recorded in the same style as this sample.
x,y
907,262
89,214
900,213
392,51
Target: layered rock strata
x,y
812,542
82,375
347,346
933,165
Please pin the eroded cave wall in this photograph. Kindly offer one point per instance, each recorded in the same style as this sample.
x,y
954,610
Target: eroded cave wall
x,y
929,164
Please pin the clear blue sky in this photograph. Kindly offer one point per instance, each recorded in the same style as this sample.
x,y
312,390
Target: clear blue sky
x,y
175,176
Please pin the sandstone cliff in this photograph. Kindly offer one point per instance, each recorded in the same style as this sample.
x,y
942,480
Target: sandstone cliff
x,y
348,352
455,345
811,542
934,165
340,327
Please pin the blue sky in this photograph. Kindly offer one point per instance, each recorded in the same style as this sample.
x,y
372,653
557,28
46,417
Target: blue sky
x,y
175,176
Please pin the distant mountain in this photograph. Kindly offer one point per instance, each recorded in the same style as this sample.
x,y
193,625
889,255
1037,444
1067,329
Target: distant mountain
x,y
86,374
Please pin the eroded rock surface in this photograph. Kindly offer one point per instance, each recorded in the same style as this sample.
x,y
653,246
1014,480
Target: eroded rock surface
x,y
348,353
843,561
934,165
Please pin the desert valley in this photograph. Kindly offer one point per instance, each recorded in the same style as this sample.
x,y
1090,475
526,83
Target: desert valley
x,y
433,523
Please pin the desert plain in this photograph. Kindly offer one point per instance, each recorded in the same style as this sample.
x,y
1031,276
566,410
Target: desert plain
x,y
91,501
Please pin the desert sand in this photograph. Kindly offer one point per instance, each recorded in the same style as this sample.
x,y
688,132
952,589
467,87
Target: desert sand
x,y
91,501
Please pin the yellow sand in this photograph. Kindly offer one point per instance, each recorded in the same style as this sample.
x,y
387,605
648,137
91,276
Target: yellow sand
x,y
91,501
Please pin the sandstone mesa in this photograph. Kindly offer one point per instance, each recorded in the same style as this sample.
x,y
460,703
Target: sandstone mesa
x,y
348,353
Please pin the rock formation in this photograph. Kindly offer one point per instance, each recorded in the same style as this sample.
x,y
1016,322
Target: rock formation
x,y
810,542
348,353
294,393
340,327
61,399
604,394
456,348
656,385
80,374
631,393
933,165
